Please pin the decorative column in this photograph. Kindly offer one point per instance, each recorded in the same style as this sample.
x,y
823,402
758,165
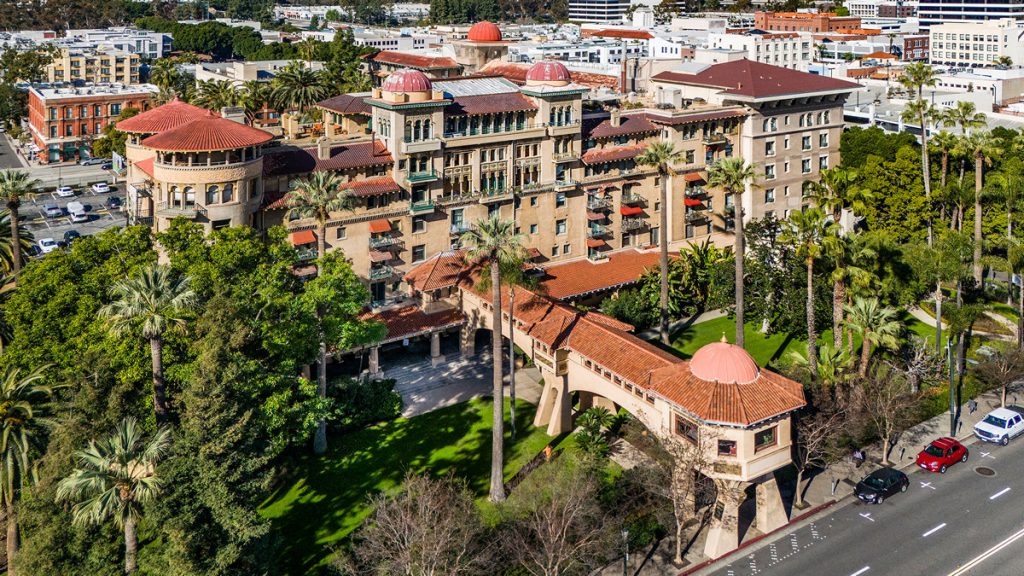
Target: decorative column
x,y
436,358
467,340
555,407
375,371
724,534
771,513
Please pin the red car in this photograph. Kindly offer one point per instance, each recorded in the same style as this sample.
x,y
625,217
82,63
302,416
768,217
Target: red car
x,y
941,454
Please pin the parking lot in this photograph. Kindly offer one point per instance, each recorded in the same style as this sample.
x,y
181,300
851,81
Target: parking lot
x,y
100,217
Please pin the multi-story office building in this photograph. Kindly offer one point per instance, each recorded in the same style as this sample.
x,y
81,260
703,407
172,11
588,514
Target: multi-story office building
x,y
804,22
598,10
977,44
935,12
99,66
145,43
426,158
786,49
64,121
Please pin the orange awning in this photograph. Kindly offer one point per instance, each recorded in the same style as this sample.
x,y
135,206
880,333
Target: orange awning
x,y
379,226
303,237
595,216
595,243
693,177
631,210
691,202
378,256
533,253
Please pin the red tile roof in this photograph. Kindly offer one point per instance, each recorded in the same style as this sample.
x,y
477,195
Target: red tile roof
x,y
414,60
879,55
348,104
162,118
146,166
694,118
621,268
411,320
612,154
628,124
489,104
757,80
618,351
516,72
618,33
440,271
286,160
208,134
371,186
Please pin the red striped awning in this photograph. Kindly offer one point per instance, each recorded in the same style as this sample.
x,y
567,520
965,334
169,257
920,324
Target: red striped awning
x,y
380,226
595,243
693,177
631,210
378,256
691,202
595,215
303,237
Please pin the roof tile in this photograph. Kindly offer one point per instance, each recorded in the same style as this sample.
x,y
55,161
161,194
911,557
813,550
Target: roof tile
x,y
287,160
757,79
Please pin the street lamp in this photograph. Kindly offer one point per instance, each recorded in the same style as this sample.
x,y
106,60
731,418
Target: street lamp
x,y
952,389
625,556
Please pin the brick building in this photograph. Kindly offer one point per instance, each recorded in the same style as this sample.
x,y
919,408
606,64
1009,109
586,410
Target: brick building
x,y
800,22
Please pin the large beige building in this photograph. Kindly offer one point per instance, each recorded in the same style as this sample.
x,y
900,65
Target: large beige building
x,y
97,65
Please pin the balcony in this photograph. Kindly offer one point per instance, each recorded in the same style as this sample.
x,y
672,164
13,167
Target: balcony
x,y
696,192
632,198
189,211
565,128
422,176
458,229
514,127
306,254
496,195
384,242
631,224
714,139
565,156
597,231
563,185
382,272
415,146
421,207
456,198
696,216
596,204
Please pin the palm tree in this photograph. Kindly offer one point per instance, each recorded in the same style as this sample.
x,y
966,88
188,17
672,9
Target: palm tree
x,y
877,325
833,364
116,477
983,148
253,97
915,77
847,254
1006,185
24,401
216,94
159,301
946,143
1015,259
964,116
317,196
164,73
1004,61
297,87
810,231
733,176
6,247
496,242
15,185
662,155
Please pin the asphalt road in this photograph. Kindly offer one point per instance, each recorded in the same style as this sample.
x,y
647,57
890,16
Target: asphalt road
x,y
8,158
954,524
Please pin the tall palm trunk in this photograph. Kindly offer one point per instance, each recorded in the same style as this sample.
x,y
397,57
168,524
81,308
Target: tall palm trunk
x,y
838,297
738,249
663,245
12,535
321,241
865,356
498,423
812,333
978,160
925,166
938,317
1020,314
131,545
945,169
320,439
156,350
12,207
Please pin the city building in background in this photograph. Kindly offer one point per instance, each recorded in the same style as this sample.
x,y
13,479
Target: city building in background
x,y
98,66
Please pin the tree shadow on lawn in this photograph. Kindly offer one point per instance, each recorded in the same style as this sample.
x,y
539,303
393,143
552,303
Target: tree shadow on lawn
x,y
326,497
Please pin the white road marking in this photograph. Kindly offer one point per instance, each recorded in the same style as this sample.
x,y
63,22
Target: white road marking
x,y
987,455
861,571
984,555
927,485
933,530
868,516
998,494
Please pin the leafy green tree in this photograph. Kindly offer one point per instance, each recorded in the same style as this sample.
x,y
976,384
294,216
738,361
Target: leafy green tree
x,y
939,264
24,405
13,104
898,206
1007,186
117,477
15,185
496,242
733,175
877,325
316,197
157,301
594,422
662,155
164,72
113,140
858,144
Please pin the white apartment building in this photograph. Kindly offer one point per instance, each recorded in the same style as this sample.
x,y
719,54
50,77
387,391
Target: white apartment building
x,y
977,44
392,40
598,51
238,72
132,40
786,49
598,10
935,12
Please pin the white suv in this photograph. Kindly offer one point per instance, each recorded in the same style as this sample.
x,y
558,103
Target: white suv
x,y
1000,425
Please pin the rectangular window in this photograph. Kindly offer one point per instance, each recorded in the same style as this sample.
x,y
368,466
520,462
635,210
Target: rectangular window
x,y
822,162
765,438
805,166
554,251
533,228
690,157
805,143
823,140
560,200
726,447
419,253
419,224
769,148
340,233
567,248
769,172
769,195
685,428
533,200
560,227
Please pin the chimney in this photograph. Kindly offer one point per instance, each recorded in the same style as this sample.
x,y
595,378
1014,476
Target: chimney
x,y
233,113
615,120
323,149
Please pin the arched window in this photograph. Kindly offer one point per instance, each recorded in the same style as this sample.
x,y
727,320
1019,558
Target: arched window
x,y
172,195
190,196
229,193
426,129
568,115
802,120
552,119
211,194
775,124
408,131
765,127
827,119
417,131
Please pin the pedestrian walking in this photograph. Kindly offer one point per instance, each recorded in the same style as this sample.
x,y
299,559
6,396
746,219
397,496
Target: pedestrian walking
x,y
972,405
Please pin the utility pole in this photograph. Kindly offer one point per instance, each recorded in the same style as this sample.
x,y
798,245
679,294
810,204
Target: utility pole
x,y
952,389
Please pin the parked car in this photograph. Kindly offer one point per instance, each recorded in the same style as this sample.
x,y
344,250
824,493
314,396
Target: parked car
x,y
881,484
107,166
77,212
101,188
92,161
113,203
47,245
71,235
941,454
66,192
1000,425
52,211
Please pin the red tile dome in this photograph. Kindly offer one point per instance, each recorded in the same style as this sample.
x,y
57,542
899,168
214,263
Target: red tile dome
x,y
548,71
211,133
725,363
406,80
484,32
162,118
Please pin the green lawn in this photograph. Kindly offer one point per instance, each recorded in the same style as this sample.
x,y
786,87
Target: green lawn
x,y
325,498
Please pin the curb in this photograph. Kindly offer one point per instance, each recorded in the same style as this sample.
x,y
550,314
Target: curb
x,y
811,512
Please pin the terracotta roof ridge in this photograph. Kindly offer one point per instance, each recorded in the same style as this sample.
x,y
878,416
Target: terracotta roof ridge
x,y
634,341
773,378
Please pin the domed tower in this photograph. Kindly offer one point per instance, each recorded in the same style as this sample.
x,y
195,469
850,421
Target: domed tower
x,y
483,44
548,73
559,107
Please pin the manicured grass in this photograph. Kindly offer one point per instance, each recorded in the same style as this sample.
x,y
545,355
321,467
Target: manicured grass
x,y
325,498
1010,312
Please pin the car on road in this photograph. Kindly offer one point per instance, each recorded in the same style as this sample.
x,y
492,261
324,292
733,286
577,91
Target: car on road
x,y
113,203
47,245
92,161
52,211
76,210
101,188
66,192
71,235
1000,425
941,454
881,484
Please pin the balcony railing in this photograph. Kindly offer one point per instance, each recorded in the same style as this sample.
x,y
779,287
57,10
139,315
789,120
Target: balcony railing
x,y
599,203
597,231
495,195
696,216
631,224
384,242
632,198
460,229
565,156
306,254
421,207
716,138
382,272
422,176
696,192
514,127
177,210
452,198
